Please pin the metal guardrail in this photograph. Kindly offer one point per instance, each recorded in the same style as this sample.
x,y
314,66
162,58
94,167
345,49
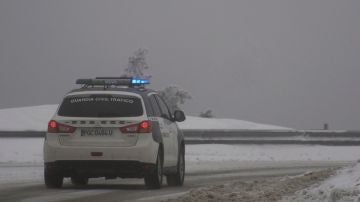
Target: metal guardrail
x,y
319,137
22,134
310,137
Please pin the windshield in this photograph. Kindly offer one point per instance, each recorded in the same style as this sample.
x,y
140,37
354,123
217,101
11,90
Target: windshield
x,y
101,106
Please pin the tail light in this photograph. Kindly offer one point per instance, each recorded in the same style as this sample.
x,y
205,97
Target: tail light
x,y
143,127
55,127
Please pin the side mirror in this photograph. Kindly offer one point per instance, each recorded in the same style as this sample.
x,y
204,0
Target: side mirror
x,y
179,116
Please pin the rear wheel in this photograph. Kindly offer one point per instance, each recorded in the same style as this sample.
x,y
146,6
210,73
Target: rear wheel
x,y
79,181
177,179
53,177
153,180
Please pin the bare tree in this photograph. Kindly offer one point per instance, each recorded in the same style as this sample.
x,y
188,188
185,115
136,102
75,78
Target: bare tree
x,y
174,95
137,64
207,114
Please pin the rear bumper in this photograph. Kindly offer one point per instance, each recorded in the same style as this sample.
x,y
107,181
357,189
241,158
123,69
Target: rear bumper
x,y
145,151
98,168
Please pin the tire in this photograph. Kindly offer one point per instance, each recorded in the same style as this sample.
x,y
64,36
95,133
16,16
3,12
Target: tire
x,y
153,180
177,179
79,181
53,177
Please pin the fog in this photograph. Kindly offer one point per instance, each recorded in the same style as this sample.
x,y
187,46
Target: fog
x,y
285,62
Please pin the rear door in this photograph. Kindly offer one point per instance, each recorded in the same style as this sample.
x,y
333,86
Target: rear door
x,y
98,118
163,129
171,131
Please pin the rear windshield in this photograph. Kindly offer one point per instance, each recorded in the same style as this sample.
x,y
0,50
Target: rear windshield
x,y
101,106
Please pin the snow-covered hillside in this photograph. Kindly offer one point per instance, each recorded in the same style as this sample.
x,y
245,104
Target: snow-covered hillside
x,y
35,118
193,122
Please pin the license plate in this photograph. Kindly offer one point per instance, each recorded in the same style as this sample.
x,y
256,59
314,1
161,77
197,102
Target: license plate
x,y
96,132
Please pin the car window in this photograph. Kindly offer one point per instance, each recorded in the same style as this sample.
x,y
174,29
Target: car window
x,y
163,107
155,106
101,106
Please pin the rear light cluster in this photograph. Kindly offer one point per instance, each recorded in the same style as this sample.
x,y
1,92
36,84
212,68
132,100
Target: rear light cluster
x,y
143,127
55,127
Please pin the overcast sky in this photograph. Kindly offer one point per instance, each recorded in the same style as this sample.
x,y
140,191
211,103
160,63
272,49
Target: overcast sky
x,y
286,62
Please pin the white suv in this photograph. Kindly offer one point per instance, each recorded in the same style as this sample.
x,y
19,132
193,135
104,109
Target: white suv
x,y
114,127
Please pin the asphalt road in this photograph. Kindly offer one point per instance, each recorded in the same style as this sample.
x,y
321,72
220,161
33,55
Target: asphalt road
x,y
33,190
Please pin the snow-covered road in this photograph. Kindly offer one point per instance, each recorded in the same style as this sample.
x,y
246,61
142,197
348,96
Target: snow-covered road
x,y
27,184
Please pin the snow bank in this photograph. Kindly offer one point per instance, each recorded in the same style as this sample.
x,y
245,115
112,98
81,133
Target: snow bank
x,y
268,189
35,118
344,186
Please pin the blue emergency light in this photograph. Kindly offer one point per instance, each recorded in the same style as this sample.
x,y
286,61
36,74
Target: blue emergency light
x,y
140,81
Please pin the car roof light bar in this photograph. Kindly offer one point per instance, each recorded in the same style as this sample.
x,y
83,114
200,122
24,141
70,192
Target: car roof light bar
x,y
113,81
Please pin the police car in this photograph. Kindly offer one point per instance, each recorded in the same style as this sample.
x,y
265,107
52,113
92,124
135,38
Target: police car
x,y
114,127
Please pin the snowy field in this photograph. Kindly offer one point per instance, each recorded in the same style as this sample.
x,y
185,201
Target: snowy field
x,y
29,150
35,118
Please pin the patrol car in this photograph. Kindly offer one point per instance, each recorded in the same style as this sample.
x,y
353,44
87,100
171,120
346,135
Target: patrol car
x,y
114,127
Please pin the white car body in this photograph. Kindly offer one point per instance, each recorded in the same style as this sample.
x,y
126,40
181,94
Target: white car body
x,y
85,147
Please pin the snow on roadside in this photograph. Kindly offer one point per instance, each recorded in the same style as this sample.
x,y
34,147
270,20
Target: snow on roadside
x,y
343,186
269,189
35,118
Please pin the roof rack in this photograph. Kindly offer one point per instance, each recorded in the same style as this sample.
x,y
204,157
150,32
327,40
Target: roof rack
x,y
107,82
